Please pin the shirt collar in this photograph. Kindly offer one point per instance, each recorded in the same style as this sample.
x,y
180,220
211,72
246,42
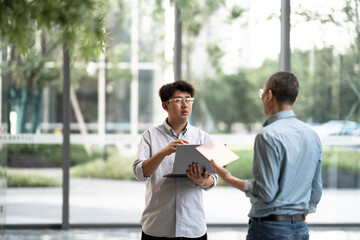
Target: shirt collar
x,y
279,115
171,131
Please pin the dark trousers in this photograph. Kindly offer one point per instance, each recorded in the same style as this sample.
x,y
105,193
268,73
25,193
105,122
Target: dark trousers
x,y
144,236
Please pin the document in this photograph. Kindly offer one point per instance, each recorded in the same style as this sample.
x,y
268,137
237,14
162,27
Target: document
x,y
217,151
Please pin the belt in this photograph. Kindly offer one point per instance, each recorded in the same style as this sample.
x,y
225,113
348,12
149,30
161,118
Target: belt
x,y
280,218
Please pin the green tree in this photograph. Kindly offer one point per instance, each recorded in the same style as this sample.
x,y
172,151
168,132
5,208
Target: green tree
x,y
80,22
332,88
32,31
318,74
195,18
26,78
233,99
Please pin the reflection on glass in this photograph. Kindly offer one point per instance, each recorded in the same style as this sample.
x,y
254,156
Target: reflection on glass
x,y
31,88
326,63
228,51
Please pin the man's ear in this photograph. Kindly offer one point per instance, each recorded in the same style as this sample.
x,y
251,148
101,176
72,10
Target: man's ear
x,y
165,106
270,95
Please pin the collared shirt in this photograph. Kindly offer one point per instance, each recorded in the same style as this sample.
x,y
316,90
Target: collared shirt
x,y
173,206
286,168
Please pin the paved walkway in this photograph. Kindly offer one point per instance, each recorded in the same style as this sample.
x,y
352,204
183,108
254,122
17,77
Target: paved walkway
x,y
112,201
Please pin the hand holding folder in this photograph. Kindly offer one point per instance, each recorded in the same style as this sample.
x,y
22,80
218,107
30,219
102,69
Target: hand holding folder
x,y
217,151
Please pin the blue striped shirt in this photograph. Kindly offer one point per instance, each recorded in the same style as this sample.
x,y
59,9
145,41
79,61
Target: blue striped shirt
x,y
286,168
173,206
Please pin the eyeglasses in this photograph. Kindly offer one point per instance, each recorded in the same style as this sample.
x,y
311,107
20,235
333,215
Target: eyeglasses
x,y
260,92
180,100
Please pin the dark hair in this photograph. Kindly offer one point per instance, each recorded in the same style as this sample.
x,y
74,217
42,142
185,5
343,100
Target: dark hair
x,y
167,90
285,87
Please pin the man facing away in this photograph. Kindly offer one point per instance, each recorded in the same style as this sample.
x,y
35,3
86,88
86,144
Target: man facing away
x,y
173,206
286,183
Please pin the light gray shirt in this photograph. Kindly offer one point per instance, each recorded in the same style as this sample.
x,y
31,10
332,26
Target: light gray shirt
x,y
173,206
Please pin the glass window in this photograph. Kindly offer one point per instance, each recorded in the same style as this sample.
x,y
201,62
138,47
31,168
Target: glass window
x,y
324,42
229,49
104,183
146,92
32,89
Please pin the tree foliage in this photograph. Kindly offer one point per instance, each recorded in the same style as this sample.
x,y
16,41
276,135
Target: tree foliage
x,y
233,99
32,33
80,22
331,79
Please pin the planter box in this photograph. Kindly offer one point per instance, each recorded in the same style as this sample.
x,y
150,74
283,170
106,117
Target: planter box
x,y
22,161
340,179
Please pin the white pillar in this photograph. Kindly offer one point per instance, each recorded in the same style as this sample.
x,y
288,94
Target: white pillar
x,y
1,105
101,99
164,74
134,102
169,40
177,45
285,61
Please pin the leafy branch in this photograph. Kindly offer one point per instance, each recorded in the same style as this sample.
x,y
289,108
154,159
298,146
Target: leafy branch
x,y
80,22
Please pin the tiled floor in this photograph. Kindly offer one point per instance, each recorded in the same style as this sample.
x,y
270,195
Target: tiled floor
x,y
214,233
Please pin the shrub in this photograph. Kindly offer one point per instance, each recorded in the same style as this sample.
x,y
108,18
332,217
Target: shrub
x,y
31,180
53,152
346,160
242,168
115,167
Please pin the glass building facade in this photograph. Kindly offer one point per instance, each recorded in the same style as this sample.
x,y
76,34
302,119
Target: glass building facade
x,y
228,51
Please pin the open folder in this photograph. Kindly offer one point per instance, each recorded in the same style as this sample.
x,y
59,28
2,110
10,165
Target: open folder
x,y
217,151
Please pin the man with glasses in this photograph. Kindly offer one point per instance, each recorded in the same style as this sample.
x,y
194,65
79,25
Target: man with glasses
x,y
173,206
286,183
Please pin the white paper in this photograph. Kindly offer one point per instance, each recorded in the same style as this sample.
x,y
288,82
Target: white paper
x,y
217,151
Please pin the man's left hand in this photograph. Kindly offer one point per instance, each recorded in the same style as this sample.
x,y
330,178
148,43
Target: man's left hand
x,y
203,180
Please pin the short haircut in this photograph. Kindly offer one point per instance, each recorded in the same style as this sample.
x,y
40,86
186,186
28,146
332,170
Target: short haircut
x,y
167,90
285,87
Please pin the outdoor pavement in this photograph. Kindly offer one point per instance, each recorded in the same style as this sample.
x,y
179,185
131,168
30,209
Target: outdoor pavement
x,y
114,201
98,201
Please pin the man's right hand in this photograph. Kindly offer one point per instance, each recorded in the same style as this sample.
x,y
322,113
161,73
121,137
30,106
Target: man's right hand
x,y
150,165
169,149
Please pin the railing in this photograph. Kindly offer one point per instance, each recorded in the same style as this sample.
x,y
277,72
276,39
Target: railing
x,y
129,139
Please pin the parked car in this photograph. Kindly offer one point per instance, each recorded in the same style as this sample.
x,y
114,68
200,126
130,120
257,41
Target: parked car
x,y
338,127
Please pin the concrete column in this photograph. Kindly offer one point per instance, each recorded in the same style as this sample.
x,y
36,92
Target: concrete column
x,y
177,45
285,62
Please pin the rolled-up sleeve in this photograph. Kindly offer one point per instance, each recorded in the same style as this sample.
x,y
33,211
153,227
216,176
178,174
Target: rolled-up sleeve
x,y
138,171
265,184
216,180
142,154
248,184
316,191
